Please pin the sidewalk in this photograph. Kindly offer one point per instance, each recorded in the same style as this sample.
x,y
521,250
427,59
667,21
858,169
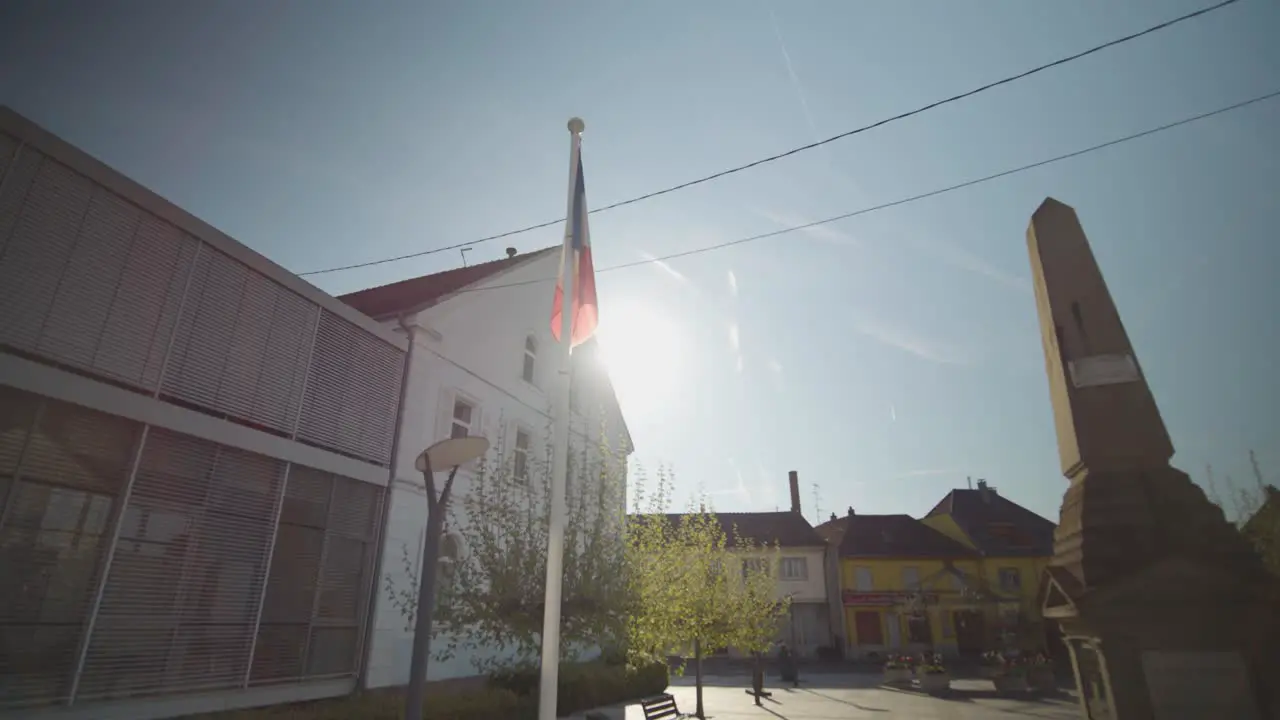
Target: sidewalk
x,y
849,695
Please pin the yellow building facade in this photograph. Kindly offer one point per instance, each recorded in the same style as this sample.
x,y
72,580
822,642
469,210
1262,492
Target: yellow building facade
x,y
962,580
1014,547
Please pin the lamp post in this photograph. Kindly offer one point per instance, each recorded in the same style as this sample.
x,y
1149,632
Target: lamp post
x,y
451,453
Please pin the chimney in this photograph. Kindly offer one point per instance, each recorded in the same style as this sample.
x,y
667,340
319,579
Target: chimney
x,y
985,491
511,252
794,477
833,517
851,512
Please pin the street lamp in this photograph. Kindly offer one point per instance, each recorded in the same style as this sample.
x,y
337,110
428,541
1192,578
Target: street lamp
x,y
451,453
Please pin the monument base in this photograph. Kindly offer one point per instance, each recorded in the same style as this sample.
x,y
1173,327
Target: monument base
x,y
1164,606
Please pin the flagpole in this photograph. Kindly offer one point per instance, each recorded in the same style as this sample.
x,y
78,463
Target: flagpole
x,y
560,459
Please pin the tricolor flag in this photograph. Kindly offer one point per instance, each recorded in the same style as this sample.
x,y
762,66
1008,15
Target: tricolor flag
x,y
576,259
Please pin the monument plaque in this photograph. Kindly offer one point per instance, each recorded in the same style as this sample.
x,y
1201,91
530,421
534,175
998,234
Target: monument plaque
x,y
1103,370
1194,685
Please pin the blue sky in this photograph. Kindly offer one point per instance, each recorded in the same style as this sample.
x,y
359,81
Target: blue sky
x,y
884,357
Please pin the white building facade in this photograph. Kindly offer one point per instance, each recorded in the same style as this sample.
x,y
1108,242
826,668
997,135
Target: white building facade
x,y
482,362
195,447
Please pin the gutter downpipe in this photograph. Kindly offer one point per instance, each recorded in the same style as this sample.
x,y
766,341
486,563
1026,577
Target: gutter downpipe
x,y
366,652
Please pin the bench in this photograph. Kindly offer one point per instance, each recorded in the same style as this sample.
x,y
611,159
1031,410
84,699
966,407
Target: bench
x,y
661,707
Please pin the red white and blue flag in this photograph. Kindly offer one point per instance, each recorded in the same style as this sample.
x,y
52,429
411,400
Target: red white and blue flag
x,y
576,259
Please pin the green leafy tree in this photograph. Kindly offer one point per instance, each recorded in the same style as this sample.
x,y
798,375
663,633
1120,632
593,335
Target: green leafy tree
x,y
692,585
492,589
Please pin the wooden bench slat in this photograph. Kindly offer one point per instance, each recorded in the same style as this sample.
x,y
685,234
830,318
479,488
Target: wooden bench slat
x,y
661,707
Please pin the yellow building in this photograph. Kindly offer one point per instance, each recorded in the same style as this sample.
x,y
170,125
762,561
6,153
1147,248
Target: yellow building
x,y
905,587
1013,546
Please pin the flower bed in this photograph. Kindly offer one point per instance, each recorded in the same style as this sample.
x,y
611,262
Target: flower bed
x,y
898,670
1010,683
932,674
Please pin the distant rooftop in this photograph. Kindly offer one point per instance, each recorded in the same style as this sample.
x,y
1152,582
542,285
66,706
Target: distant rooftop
x,y
422,292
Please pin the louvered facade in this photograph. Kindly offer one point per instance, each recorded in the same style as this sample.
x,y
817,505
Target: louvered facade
x,y
194,453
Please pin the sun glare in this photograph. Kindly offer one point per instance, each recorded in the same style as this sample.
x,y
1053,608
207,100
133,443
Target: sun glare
x,y
641,349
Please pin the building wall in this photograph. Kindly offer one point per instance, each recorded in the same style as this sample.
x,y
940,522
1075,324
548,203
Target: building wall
x,y
947,525
885,609
194,447
471,347
1022,611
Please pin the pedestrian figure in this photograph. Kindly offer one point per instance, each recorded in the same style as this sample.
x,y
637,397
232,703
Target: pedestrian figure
x,y
787,666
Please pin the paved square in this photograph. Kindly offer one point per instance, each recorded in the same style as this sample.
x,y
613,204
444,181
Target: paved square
x,y
823,697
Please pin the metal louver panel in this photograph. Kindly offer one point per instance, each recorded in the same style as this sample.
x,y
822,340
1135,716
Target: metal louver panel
x,y
8,151
342,595
135,336
317,591
89,280
13,192
86,278
295,575
205,329
352,391
38,248
184,585
73,465
242,344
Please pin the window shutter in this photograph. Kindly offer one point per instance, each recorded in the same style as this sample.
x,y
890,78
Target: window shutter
x,y
352,391
53,536
182,592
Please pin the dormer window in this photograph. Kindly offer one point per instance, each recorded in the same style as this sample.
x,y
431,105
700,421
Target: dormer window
x,y
530,359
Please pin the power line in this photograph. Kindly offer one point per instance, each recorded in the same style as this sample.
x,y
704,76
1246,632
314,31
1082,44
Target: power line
x,y
802,148
907,200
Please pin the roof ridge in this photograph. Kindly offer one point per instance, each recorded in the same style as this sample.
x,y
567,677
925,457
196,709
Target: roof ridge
x,y
510,259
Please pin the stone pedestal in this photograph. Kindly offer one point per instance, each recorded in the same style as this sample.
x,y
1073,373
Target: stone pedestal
x,y
1166,608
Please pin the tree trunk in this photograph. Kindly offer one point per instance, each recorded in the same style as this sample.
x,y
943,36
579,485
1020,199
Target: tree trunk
x,y
697,676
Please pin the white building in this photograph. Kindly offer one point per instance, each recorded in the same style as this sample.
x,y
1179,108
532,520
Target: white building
x,y
194,451
482,362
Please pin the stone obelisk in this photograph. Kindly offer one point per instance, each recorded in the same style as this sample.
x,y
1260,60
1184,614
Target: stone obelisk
x,y
1162,601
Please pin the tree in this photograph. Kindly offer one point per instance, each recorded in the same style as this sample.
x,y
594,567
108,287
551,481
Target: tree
x,y
492,590
691,583
1256,511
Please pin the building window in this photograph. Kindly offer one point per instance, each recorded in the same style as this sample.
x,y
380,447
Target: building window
x,y
530,359
520,455
463,415
754,565
862,579
1010,579
795,568
911,578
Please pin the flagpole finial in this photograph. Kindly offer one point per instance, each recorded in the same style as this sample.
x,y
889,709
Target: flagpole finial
x,y
576,126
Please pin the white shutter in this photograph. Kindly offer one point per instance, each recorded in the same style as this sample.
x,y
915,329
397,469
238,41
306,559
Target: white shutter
x,y
38,248
86,278
53,536
14,188
184,586
8,151
242,344
352,391
317,593
89,281
135,335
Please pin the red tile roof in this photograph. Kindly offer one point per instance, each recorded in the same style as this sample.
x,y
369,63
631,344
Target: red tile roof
x,y
896,536
997,525
421,292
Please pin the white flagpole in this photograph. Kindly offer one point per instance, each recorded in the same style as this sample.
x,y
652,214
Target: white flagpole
x,y
560,460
